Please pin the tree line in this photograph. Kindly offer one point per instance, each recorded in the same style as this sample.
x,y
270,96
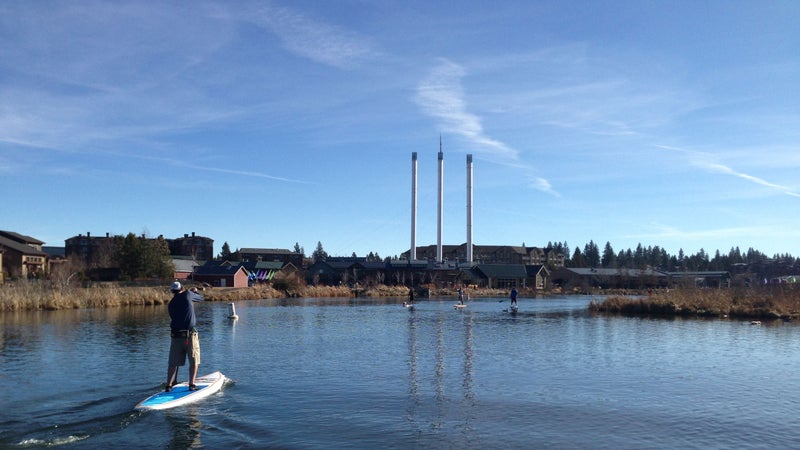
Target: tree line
x,y
658,258
655,257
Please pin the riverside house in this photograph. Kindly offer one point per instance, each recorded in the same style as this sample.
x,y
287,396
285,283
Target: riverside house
x,y
22,255
221,274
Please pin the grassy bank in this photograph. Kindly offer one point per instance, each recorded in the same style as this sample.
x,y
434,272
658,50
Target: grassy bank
x,y
38,295
765,303
21,296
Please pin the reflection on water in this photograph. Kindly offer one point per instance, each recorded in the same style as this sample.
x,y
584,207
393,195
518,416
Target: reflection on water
x,y
185,426
357,373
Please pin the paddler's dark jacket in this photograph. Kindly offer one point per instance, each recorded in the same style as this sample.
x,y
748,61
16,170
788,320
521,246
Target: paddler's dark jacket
x,y
181,310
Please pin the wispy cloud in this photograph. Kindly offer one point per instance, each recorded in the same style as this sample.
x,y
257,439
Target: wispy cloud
x,y
245,173
709,163
313,39
210,168
663,232
540,184
441,96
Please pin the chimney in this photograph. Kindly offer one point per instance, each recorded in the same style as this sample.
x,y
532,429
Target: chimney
x,y
469,209
439,257
412,254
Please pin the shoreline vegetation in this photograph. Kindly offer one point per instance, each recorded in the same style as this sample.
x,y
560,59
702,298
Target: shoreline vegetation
x,y
33,296
763,303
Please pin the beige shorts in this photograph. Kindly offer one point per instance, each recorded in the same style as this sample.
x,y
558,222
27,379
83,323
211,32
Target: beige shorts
x,y
180,348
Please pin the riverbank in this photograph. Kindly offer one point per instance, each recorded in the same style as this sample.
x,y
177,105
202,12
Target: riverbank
x,y
764,303
23,296
42,296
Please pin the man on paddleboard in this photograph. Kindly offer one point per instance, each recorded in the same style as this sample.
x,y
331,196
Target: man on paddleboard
x,y
185,341
513,296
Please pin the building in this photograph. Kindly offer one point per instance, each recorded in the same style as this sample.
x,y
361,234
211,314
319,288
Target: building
x,y
538,277
22,255
94,251
184,267
221,274
198,248
587,278
502,276
98,251
493,254
285,256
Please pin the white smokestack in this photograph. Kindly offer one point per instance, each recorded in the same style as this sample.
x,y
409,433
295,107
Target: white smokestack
x,y
439,257
412,255
469,208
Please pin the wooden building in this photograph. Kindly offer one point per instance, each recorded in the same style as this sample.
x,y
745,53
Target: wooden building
x,y
22,255
221,275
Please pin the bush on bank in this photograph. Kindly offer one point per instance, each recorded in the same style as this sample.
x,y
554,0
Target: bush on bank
x,y
769,302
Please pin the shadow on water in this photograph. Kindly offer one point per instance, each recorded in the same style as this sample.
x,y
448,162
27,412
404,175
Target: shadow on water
x,y
62,428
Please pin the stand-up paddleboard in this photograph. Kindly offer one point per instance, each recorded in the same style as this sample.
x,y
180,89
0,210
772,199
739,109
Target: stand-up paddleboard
x,y
410,306
459,306
181,395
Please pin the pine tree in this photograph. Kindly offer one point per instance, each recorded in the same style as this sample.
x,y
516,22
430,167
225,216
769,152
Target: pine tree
x,y
225,253
319,254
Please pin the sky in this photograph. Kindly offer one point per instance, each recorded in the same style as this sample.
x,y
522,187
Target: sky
x,y
269,124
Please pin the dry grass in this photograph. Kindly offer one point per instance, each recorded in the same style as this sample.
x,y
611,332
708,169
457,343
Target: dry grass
x,y
235,294
25,295
771,302
386,291
40,295
322,291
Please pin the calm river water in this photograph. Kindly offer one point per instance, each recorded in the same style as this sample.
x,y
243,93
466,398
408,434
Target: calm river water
x,y
361,373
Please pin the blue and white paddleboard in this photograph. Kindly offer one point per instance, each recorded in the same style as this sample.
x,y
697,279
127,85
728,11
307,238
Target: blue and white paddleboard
x,y
181,395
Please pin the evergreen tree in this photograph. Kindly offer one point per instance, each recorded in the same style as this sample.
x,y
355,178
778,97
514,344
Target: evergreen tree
x,y
139,257
161,259
639,259
609,259
319,254
298,249
591,254
225,253
577,259
129,256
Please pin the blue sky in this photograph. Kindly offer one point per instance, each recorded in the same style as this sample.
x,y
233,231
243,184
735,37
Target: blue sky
x,y
265,124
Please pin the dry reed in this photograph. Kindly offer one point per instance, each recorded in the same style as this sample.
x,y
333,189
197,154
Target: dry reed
x,y
771,302
41,295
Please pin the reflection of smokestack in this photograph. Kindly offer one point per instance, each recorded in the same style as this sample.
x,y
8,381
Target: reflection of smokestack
x,y
469,208
412,255
439,257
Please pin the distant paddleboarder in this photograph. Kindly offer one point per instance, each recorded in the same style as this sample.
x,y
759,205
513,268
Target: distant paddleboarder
x,y
410,302
460,296
513,296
